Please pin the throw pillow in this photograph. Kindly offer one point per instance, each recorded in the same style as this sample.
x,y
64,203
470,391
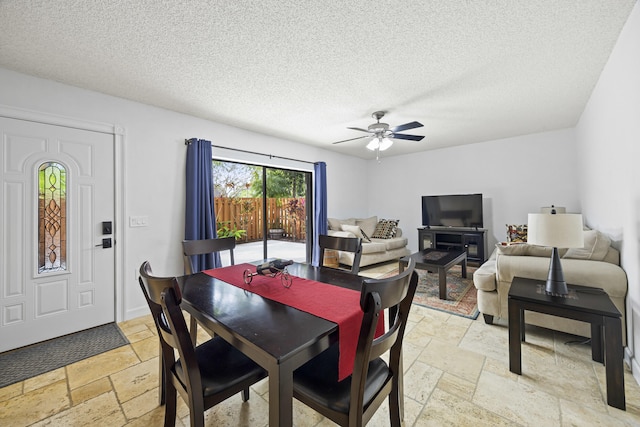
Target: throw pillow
x,y
595,247
336,224
516,233
356,231
368,225
386,229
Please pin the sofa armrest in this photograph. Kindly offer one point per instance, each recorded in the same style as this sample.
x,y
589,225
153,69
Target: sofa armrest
x,y
484,278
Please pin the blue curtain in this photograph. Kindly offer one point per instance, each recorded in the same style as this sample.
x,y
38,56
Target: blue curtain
x,y
200,216
319,208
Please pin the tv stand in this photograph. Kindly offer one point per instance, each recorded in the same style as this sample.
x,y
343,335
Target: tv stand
x,y
472,240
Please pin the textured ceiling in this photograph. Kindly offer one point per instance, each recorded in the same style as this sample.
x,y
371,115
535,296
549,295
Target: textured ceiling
x,y
470,71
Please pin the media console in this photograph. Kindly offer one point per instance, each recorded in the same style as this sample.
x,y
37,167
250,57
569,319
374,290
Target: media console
x,y
472,240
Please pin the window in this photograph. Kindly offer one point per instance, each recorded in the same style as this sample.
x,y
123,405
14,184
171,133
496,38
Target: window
x,y
52,217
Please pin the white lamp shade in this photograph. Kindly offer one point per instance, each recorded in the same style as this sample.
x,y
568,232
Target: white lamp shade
x,y
555,230
373,144
385,143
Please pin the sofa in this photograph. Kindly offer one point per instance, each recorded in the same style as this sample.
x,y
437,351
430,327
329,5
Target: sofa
x,y
595,265
382,240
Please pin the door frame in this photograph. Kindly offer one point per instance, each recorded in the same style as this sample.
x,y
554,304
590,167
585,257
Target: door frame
x,y
119,229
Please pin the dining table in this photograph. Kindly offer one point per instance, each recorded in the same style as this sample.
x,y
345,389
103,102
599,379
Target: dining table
x,y
277,336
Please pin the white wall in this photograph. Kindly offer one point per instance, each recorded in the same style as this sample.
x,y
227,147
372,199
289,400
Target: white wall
x,y
608,139
515,175
154,168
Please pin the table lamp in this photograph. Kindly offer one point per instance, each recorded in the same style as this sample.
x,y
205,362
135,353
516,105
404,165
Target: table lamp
x,y
558,231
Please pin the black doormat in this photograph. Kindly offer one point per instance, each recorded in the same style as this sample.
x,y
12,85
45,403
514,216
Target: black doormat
x,y
26,362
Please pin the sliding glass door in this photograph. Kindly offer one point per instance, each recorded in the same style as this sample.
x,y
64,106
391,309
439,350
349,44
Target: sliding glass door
x,y
266,209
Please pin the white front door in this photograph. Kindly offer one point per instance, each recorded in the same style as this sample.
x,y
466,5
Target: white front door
x,y
57,189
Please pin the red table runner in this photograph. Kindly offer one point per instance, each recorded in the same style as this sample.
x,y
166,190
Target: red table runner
x,y
333,303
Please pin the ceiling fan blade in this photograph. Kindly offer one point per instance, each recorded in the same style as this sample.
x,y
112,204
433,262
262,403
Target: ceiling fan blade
x,y
408,137
406,126
360,129
352,139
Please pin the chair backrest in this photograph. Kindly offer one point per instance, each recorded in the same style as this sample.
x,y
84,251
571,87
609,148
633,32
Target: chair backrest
x,y
346,244
395,294
164,296
206,248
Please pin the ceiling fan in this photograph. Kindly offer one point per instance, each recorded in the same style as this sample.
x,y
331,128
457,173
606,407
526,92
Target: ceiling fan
x,y
381,135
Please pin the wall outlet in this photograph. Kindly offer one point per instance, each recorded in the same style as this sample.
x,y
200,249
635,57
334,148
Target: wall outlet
x,y
138,221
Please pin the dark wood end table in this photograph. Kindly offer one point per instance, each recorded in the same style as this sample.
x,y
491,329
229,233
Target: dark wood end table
x,y
437,260
583,303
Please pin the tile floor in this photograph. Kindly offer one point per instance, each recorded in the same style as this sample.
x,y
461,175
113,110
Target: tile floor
x,y
457,374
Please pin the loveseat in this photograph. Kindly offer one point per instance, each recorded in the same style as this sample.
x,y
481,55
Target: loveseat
x,y
595,265
382,240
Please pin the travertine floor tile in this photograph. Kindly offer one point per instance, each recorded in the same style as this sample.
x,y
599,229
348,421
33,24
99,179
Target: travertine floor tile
x,y
420,381
575,414
36,405
517,402
457,386
91,390
10,391
444,409
44,379
140,405
136,380
153,418
147,348
490,341
102,410
452,359
562,380
102,365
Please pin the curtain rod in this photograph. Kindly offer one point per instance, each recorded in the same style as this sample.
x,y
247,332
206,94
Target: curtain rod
x,y
271,156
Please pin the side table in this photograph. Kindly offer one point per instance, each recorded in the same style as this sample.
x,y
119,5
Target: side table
x,y
583,303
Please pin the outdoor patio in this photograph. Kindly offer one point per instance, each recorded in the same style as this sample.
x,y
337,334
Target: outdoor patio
x,y
253,251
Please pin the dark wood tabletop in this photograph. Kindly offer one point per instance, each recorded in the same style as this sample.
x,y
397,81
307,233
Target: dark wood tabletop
x,y
580,298
436,258
277,337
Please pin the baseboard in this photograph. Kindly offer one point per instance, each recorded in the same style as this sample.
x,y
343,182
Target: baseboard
x,y
136,312
633,364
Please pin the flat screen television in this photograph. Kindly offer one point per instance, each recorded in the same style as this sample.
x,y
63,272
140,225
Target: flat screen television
x,y
455,210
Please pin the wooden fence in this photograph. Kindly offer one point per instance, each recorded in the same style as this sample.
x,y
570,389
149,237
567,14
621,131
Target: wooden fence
x,y
247,214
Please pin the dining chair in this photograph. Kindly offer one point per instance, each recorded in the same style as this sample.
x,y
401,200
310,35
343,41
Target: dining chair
x,y
346,244
205,247
353,401
193,248
204,375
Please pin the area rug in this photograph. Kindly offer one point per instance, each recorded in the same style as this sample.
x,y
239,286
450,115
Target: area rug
x,y
461,294
23,363
462,298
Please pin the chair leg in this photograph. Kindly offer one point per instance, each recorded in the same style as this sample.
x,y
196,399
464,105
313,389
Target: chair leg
x,y
245,394
161,389
395,411
170,406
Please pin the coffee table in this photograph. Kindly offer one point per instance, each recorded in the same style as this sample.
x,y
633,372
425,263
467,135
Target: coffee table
x,y
583,303
437,260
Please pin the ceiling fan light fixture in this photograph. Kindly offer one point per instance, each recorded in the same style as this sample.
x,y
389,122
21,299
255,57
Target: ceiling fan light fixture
x,y
373,144
385,143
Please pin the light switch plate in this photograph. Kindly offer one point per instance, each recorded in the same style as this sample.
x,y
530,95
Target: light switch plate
x,y
138,221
